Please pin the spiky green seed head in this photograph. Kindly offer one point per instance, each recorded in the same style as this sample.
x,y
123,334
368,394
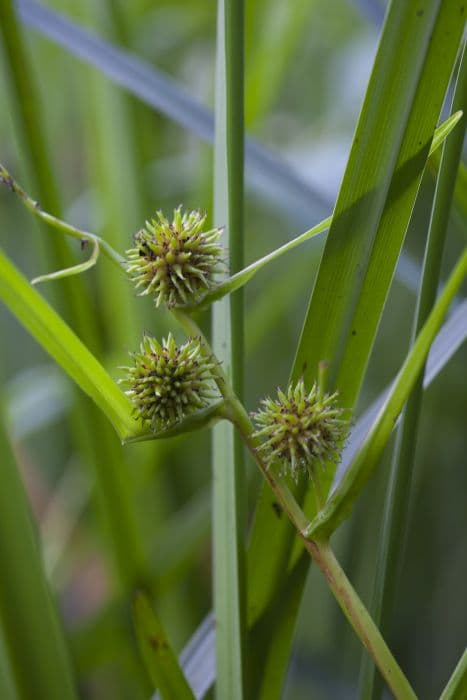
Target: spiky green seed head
x,y
168,382
301,429
177,261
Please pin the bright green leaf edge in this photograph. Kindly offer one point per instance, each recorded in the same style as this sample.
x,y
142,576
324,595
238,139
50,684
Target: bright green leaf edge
x,y
340,503
456,689
160,660
57,338
439,136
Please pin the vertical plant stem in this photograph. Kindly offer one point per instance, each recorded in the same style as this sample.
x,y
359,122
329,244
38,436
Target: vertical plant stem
x,y
34,642
229,498
397,502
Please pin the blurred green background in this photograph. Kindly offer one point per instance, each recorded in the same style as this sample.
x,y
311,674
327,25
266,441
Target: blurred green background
x,y
115,161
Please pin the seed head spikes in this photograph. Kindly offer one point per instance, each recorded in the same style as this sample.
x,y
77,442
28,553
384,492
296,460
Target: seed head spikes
x,y
168,382
176,262
300,429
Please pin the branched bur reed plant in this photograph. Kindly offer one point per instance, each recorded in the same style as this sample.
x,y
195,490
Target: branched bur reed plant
x,y
295,438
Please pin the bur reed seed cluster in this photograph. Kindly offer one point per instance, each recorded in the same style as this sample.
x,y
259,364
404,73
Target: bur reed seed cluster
x,y
175,261
169,382
300,429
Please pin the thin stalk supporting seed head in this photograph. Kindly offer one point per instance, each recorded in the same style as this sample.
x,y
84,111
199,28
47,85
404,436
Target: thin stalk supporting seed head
x,y
169,382
176,262
301,429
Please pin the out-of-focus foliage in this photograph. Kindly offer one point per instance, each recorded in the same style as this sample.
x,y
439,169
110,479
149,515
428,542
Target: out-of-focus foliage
x,y
117,162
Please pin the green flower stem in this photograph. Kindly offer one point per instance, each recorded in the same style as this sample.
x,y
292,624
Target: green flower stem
x,y
323,556
359,618
336,579
56,223
235,412
236,281
321,552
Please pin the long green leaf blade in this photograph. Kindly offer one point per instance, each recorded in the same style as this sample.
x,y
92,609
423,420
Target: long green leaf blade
x,y
395,519
373,209
34,641
340,503
392,141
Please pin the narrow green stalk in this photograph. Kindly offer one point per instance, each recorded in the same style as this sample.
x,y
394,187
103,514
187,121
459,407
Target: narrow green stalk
x,y
395,517
359,618
34,641
323,556
239,279
58,224
229,493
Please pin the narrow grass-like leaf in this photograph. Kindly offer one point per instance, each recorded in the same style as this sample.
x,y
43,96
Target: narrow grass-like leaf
x,y
46,326
159,657
276,631
201,648
451,337
340,503
395,519
378,191
444,129
34,642
229,496
456,688
389,151
243,276
357,233
198,658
